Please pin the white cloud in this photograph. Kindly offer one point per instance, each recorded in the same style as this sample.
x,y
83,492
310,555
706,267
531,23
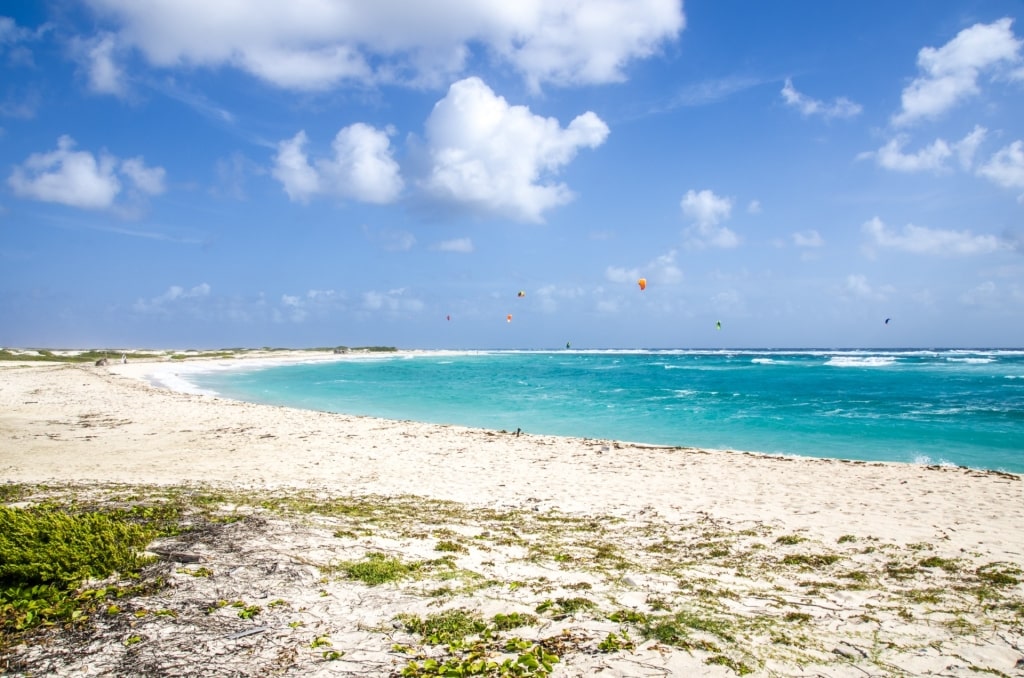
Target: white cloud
x,y
1006,166
461,245
80,179
809,238
175,294
950,73
661,270
105,76
618,274
706,210
856,285
920,240
361,167
149,180
292,168
13,40
891,156
315,44
297,308
967,147
393,301
839,108
497,158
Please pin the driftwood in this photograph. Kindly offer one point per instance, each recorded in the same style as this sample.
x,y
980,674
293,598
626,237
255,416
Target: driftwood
x,y
102,362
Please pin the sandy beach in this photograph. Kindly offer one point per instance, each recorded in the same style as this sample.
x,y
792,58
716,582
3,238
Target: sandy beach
x,y
812,567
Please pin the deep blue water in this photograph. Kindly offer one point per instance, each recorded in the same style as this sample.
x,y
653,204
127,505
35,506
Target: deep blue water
x,y
957,407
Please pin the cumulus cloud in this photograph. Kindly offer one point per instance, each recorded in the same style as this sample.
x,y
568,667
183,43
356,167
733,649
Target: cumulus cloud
x,y
891,156
80,179
292,169
706,210
315,45
932,157
175,294
921,240
361,168
949,74
1006,166
488,155
839,108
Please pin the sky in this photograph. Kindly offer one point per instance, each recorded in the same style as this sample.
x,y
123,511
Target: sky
x,y
318,173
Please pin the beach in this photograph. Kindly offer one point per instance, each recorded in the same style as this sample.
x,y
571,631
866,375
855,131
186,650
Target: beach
x,y
867,568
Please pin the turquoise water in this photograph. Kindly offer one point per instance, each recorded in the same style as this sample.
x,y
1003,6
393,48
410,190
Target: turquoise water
x,y
957,407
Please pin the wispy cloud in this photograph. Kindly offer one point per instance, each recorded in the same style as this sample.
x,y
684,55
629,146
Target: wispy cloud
x,y
841,107
928,241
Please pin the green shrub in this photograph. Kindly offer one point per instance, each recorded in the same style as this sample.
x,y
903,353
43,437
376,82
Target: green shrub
x,y
45,556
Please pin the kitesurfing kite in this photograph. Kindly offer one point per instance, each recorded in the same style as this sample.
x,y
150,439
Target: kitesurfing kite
x,y
718,325
449,318
521,294
642,282
887,320
508,318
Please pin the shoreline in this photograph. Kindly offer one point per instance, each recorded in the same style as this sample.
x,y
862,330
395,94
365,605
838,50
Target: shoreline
x,y
756,528
119,408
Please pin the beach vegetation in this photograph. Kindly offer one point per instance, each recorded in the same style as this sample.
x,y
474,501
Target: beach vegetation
x,y
474,647
790,539
12,492
49,355
810,561
47,555
560,608
512,620
739,667
704,605
450,546
929,595
999,574
378,568
616,642
443,628
947,564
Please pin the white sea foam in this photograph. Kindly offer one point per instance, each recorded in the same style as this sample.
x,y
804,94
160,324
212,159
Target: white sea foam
x,y
925,460
861,361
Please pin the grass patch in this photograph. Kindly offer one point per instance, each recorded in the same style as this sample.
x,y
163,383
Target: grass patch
x,y
378,568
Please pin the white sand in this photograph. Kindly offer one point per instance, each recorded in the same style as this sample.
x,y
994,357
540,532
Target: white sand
x,y
82,424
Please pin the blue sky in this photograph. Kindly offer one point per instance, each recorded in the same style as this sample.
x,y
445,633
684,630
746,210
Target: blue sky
x,y
217,174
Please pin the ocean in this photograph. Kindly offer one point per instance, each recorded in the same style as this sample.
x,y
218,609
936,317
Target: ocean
x,y
953,407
